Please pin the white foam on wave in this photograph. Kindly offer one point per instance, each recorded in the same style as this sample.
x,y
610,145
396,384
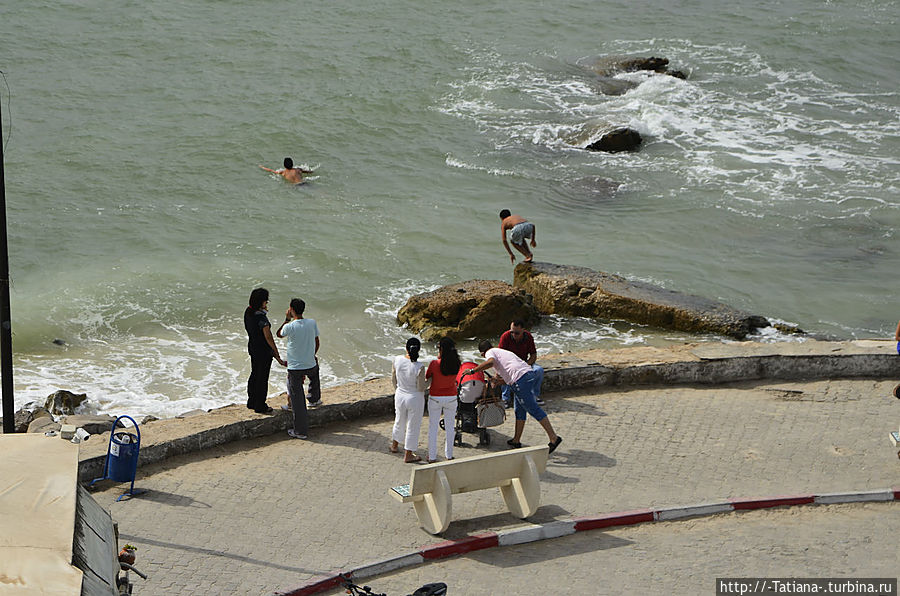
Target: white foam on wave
x,y
762,134
141,375
191,368
141,358
458,163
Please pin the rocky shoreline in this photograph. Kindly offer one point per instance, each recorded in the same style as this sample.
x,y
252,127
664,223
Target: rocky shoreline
x,y
483,308
700,364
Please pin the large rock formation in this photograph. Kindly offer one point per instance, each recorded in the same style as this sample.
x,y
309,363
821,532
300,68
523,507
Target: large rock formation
x,y
583,292
476,308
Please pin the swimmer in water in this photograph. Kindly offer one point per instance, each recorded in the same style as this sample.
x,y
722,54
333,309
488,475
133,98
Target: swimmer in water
x,y
290,173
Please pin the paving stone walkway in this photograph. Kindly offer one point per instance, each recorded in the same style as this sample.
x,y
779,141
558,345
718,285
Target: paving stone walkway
x,y
261,515
684,557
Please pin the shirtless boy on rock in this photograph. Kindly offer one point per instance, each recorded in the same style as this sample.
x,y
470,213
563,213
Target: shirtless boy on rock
x,y
519,230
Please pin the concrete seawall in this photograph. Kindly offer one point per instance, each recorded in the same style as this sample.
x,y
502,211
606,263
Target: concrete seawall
x,y
701,364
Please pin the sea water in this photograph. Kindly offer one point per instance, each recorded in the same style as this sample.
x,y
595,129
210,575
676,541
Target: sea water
x,y
139,220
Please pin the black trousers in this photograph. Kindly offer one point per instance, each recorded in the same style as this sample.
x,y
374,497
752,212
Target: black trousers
x,y
258,383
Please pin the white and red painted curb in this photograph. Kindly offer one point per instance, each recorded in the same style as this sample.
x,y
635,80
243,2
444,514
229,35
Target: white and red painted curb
x,y
556,529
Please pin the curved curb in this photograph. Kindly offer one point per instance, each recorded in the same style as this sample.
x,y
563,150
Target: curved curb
x,y
821,360
557,529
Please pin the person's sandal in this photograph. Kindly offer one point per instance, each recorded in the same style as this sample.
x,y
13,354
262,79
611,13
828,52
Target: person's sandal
x,y
514,444
553,445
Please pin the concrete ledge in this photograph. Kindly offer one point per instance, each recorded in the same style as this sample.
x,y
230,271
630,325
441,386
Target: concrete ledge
x,y
163,439
536,532
855,497
387,565
702,364
691,511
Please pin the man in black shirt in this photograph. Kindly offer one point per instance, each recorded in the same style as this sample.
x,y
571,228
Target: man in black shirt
x,y
262,348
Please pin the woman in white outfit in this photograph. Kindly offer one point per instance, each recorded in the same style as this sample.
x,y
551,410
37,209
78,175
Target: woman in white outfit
x,y
442,397
408,377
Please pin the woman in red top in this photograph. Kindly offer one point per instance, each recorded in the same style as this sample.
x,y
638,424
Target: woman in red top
x,y
442,397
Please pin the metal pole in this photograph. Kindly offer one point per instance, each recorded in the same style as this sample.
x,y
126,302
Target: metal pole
x,y
6,368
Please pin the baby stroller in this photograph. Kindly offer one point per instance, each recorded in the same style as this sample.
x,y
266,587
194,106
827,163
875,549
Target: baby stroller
x,y
470,390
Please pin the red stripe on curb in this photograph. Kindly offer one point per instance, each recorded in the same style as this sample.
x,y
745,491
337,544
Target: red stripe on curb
x,y
896,490
766,502
315,586
621,518
458,547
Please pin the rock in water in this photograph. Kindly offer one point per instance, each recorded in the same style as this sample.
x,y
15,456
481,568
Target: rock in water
x,y
619,139
607,66
476,308
63,403
583,292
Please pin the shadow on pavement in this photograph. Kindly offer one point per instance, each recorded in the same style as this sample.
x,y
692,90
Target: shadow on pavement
x,y
568,404
217,553
465,528
165,498
579,458
554,478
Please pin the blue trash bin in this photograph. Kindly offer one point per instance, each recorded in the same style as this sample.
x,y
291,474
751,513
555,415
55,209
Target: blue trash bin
x,y
123,456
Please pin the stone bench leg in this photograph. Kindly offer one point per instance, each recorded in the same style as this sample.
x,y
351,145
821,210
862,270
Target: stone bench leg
x,y
523,494
433,510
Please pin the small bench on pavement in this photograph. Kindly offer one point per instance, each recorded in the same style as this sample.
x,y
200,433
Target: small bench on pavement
x,y
515,472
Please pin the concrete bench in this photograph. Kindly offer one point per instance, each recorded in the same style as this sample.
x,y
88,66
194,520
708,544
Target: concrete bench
x,y
515,472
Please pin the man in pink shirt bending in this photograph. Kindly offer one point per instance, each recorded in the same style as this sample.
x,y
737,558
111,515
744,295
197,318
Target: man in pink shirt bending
x,y
517,373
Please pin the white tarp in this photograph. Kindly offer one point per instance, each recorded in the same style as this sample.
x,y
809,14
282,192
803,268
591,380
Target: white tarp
x,y
38,480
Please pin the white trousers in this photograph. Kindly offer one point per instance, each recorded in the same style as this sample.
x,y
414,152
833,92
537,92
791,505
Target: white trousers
x,y
438,405
408,411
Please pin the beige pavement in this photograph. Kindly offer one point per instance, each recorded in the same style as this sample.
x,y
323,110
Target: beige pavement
x,y
683,557
267,514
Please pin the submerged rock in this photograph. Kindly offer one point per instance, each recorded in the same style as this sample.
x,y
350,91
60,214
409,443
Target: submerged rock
x,y
616,140
608,66
476,308
609,137
612,86
583,292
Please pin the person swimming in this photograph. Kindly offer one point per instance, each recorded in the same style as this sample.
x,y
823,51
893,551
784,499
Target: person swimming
x,y
289,172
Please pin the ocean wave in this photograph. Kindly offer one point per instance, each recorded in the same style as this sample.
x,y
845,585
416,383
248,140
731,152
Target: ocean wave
x,y
458,163
758,131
